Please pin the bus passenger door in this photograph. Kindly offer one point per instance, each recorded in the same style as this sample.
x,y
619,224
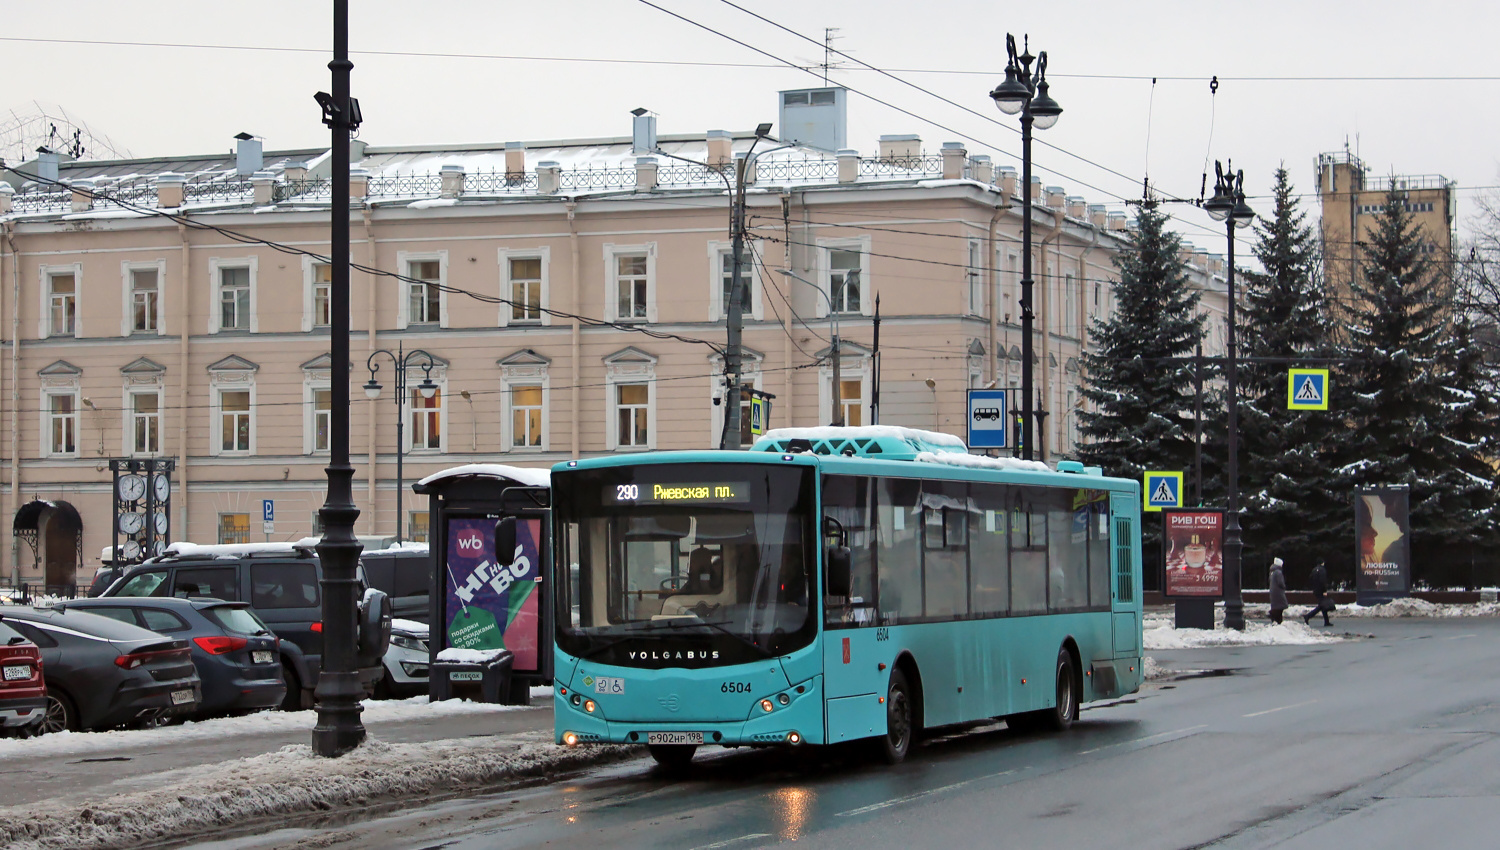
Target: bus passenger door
x,y
1125,597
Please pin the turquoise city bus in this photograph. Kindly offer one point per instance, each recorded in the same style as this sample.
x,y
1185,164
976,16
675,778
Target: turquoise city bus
x,y
837,584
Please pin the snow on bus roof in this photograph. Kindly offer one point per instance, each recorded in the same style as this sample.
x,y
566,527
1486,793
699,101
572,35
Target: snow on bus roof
x,y
844,432
982,462
528,477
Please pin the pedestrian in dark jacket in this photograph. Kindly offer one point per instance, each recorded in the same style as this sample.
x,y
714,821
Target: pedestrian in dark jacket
x,y
1278,591
1318,582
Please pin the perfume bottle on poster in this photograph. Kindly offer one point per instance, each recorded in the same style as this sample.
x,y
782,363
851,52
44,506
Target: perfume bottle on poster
x,y
1195,553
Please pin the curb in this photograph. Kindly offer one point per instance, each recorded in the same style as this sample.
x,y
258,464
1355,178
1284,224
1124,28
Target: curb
x,y
201,803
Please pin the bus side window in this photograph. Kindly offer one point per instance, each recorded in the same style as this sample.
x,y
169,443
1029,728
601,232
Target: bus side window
x,y
989,555
898,554
847,499
945,507
1067,550
1028,551
1100,568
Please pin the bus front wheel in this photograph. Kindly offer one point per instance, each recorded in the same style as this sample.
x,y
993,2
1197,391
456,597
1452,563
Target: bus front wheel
x,y
899,720
673,756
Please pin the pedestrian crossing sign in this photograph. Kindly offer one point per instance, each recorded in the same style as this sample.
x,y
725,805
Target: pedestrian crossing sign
x,y
1307,389
1163,490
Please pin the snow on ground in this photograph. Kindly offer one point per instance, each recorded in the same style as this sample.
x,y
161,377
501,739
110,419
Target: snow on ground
x,y
291,782
1167,636
375,711
1410,607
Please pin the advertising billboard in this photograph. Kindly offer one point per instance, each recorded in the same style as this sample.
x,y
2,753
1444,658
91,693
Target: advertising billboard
x,y
1382,527
1193,543
490,605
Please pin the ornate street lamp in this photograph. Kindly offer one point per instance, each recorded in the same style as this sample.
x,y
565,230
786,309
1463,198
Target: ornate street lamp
x,y
1021,93
401,360
1228,205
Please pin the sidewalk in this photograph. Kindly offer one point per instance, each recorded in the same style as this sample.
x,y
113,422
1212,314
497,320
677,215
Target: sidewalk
x,y
116,788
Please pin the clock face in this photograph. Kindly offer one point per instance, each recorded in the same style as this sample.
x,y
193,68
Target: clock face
x,y
131,522
156,548
163,487
161,523
132,549
131,487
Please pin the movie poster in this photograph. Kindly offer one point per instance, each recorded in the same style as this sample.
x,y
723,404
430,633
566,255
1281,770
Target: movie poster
x,y
1193,541
494,606
1382,525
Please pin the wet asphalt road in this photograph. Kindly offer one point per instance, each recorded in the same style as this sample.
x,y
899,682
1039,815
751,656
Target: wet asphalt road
x,y
1387,741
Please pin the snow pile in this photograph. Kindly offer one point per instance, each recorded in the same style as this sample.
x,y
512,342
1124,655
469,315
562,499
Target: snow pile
x,y
1167,636
375,711
1413,607
292,781
471,656
526,477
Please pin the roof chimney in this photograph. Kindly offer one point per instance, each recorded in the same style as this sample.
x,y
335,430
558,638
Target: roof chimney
x,y
1077,206
247,155
643,132
815,118
515,160
900,147
719,149
1055,196
1098,217
46,164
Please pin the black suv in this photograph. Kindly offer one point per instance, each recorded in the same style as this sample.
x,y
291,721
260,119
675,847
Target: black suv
x,y
406,577
283,585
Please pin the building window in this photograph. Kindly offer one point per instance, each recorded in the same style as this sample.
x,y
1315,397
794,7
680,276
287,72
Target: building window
x,y
426,424
1070,305
976,278
851,398
526,416
423,302
62,423
322,295
631,286
322,417
234,299
721,272
416,527
234,528
632,415
145,423
62,304
844,281
525,289
234,421
144,295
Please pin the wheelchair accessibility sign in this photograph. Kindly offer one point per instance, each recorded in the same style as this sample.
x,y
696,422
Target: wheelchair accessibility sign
x,y
1307,389
1163,490
988,422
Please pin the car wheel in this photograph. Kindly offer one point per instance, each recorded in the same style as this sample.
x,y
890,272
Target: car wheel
x,y
900,721
293,699
673,756
60,716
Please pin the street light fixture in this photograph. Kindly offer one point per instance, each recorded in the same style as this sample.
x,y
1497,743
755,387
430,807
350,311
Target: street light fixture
x,y
837,298
1228,205
1022,93
401,360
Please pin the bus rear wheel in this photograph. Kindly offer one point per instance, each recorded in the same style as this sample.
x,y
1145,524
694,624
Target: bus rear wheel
x,y
673,756
893,746
1062,715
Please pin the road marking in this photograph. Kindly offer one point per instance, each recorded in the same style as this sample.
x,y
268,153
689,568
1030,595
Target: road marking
x,y
751,837
1147,738
1461,637
1283,708
917,796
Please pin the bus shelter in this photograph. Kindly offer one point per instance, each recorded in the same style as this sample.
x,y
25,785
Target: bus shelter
x,y
481,607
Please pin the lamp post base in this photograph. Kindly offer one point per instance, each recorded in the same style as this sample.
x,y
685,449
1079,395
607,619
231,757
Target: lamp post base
x,y
339,729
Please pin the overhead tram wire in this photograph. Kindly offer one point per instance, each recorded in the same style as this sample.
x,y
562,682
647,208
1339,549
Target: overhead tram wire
x,y
293,250
882,102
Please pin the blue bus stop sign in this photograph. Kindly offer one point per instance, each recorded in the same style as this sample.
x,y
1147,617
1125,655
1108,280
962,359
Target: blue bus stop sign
x,y
988,423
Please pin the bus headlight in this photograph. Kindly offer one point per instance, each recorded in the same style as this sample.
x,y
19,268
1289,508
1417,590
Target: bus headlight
x,y
793,737
588,705
766,705
570,739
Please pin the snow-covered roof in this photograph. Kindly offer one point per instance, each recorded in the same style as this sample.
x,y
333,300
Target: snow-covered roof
x,y
236,550
834,432
982,462
528,477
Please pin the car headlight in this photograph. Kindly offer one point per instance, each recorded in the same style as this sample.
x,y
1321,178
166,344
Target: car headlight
x,y
408,643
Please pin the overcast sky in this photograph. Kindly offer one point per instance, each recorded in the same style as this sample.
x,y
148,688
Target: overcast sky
x,y
1278,101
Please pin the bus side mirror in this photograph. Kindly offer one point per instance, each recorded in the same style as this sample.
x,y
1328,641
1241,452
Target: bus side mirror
x,y
505,540
837,559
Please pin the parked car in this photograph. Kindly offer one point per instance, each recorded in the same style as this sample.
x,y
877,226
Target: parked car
x,y
405,574
237,657
101,673
23,694
282,583
405,661
103,578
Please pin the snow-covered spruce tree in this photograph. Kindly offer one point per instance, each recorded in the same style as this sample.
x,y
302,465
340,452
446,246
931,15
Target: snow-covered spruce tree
x,y
1140,412
1296,505
1399,326
1465,480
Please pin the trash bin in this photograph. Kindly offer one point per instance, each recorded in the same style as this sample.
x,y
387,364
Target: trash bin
x,y
480,675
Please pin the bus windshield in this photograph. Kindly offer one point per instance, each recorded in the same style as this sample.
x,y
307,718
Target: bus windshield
x,y
714,560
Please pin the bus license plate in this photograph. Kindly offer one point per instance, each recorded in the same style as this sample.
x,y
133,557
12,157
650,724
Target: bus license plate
x,y
609,685
182,697
262,658
674,737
